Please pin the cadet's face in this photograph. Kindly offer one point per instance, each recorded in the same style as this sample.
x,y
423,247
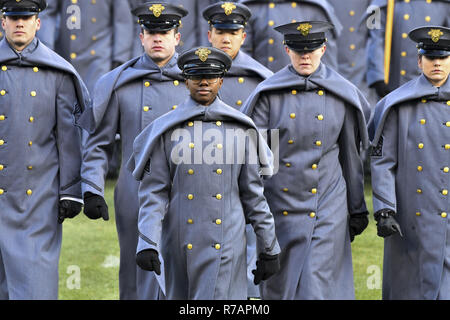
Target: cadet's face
x,y
306,63
204,90
435,69
20,30
229,41
160,46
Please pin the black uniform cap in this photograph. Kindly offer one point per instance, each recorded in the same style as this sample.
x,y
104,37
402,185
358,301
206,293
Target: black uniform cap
x,y
22,7
306,35
159,16
227,15
204,61
432,41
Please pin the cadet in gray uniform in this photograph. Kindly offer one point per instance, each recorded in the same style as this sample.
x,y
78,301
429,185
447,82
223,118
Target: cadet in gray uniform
x,y
193,29
227,32
95,36
317,196
410,134
194,210
407,15
41,97
266,45
126,100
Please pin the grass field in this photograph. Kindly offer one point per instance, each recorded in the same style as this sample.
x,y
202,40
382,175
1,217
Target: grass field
x,y
89,258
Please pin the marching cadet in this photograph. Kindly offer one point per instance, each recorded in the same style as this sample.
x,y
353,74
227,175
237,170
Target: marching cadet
x,y
266,45
126,100
410,133
192,30
317,196
41,97
227,22
193,211
392,59
93,35
352,43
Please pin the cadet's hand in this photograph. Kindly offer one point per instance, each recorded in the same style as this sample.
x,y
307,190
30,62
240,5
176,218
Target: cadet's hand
x,y
266,266
381,88
95,207
386,224
357,224
68,209
148,260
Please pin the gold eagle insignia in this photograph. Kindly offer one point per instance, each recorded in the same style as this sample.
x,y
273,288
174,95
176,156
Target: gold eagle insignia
x,y
435,34
203,54
304,28
228,8
157,9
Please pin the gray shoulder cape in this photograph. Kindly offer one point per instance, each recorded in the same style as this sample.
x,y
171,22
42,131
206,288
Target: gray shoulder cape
x,y
218,110
415,89
325,78
320,3
131,70
383,3
243,65
42,56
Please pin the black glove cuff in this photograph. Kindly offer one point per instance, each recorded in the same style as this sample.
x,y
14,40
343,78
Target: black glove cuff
x,y
266,257
383,213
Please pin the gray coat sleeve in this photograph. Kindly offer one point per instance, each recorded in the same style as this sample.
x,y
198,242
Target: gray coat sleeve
x,y
384,165
154,191
68,137
123,29
257,210
98,148
351,162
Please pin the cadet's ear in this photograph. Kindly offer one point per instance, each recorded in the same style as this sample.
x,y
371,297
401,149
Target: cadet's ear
x,y
419,61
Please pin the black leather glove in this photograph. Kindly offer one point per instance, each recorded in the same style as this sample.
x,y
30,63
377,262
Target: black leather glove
x,y
68,209
357,224
95,207
266,266
381,88
148,260
386,224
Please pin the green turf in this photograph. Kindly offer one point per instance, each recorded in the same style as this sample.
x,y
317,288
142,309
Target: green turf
x,y
90,251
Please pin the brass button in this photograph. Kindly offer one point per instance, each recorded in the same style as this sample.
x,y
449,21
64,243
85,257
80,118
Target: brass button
x,y
406,16
293,115
312,215
174,107
73,37
176,83
30,143
189,246
291,142
190,221
319,143
29,192
271,59
314,191
4,68
447,124
241,80
35,69
418,214
239,102
73,56
444,192
220,146
447,147
219,171
2,92
320,117
320,93
419,191
190,197
285,213
217,246
423,100
288,165
2,167
190,124
419,168
191,145
219,123
285,189
294,92
2,117
191,172
444,214
2,192
423,121
218,221
147,84
314,166
420,145
146,109
446,169
31,119
33,93
219,197
2,142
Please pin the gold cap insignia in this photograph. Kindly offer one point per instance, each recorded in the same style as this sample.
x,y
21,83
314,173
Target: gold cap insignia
x,y
435,34
203,54
228,8
157,9
304,28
